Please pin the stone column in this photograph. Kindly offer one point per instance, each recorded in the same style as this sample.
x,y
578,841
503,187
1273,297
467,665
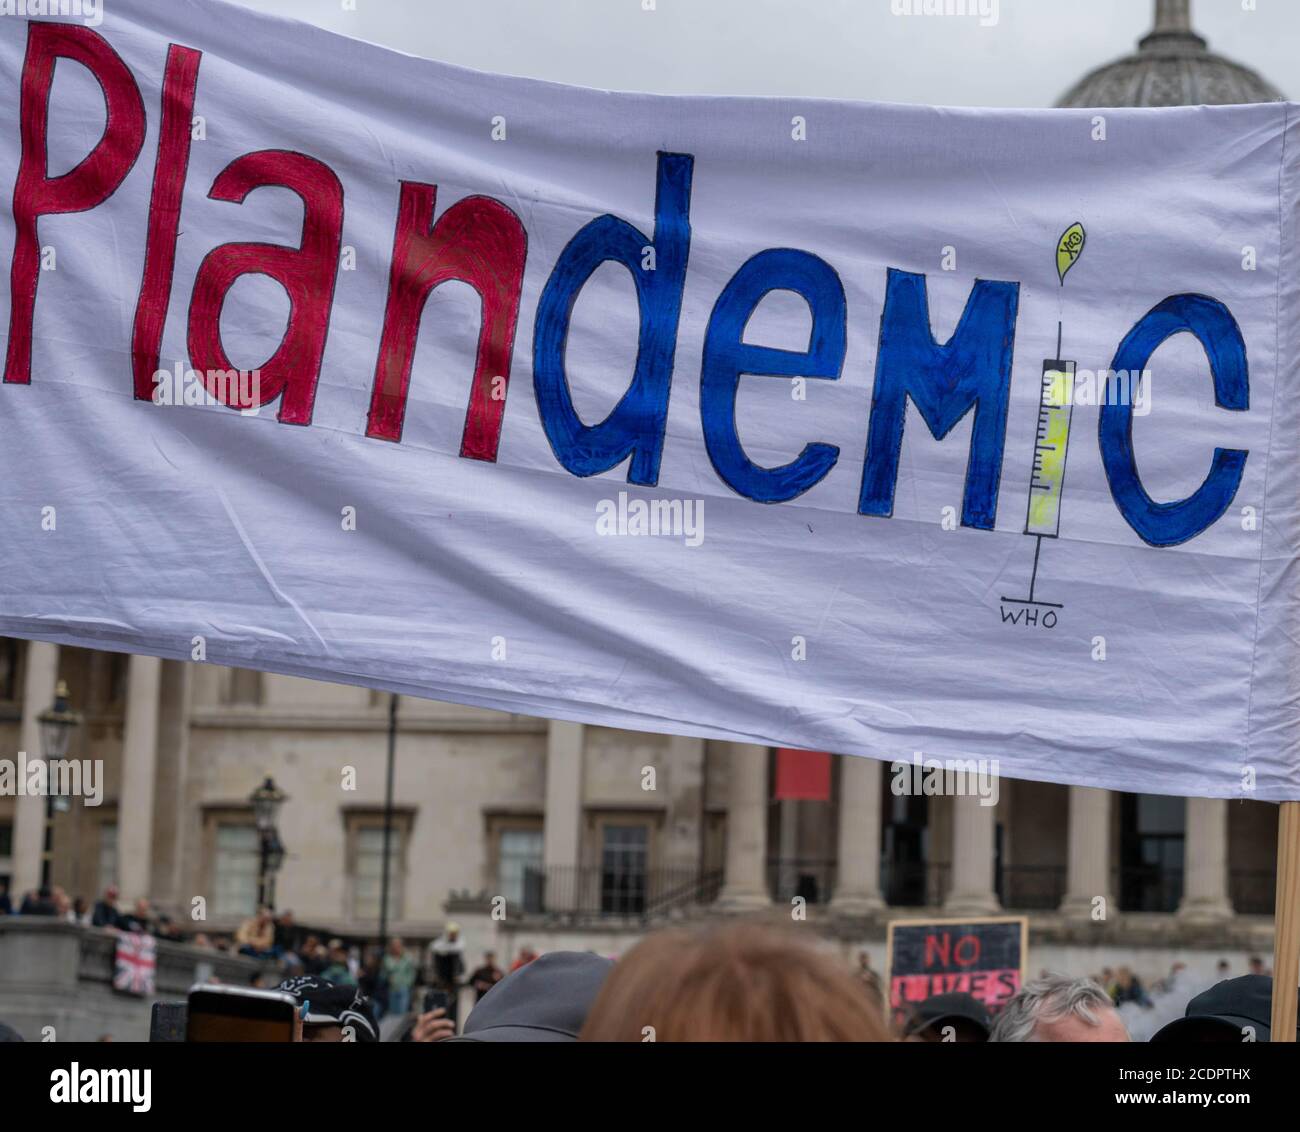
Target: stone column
x,y
562,836
139,769
973,828
1205,856
174,823
745,882
42,674
1089,854
857,885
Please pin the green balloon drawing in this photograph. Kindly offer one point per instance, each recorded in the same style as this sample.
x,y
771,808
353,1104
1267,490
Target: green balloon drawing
x,y
1069,248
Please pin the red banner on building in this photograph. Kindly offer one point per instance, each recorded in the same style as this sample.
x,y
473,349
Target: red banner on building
x,y
802,776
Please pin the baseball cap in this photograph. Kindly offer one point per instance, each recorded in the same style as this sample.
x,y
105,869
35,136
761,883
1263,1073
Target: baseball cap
x,y
545,1001
1224,1012
331,1004
955,1007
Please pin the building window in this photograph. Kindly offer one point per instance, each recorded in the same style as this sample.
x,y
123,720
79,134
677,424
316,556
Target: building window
x,y
119,674
6,854
515,866
520,867
366,866
235,869
624,865
8,670
244,687
107,854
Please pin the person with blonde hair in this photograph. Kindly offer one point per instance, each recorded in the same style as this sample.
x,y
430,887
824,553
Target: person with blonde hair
x,y
738,983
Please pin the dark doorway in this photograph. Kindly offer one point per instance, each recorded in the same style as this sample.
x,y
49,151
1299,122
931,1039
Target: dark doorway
x,y
905,849
1151,852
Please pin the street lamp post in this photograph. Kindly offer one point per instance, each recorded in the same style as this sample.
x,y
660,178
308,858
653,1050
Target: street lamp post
x,y
388,822
267,800
57,724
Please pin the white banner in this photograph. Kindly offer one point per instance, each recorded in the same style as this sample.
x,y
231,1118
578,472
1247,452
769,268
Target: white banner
x,y
861,428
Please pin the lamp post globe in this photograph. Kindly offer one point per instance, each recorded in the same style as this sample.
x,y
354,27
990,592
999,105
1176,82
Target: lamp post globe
x,y
266,801
57,723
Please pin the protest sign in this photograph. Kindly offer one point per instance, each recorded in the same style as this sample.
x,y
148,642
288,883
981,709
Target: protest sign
x,y
856,428
984,958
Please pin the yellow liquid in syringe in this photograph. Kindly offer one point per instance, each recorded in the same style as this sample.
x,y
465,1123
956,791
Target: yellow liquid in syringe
x,y
1055,408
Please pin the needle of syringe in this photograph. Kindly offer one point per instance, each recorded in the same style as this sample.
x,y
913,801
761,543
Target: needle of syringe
x,y
1033,578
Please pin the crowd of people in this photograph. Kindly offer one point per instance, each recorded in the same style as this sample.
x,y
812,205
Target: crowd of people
x,y
733,982
385,976
53,901
740,982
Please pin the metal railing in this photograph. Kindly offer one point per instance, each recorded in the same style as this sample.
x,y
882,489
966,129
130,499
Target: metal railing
x,y
1032,888
1148,888
813,878
914,884
588,892
1253,892
596,893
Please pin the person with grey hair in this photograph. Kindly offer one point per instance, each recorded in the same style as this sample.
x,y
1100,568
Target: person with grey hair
x,y
1059,1009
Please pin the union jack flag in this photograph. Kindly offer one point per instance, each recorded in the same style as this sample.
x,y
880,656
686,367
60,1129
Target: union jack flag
x,y
135,964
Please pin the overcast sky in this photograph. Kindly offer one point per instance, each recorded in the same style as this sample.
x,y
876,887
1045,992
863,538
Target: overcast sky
x,y
829,48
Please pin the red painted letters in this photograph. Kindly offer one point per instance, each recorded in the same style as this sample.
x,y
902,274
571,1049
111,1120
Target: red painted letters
x,y
308,273
477,241
97,178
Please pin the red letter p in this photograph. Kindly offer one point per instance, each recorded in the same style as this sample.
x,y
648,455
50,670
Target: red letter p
x,y
36,193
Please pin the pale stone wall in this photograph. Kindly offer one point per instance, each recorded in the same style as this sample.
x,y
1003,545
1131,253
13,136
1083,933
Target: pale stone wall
x,y
59,976
326,747
461,773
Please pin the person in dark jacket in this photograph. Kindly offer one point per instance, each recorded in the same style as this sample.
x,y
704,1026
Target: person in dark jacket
x,y
105,914
39,903
484,978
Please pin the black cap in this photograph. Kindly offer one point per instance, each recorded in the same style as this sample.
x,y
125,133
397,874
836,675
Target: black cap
x,y
1224,1012
332,1004
941,1008
545,1001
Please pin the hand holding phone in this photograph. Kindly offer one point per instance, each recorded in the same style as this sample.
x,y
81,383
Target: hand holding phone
x,y
432,1025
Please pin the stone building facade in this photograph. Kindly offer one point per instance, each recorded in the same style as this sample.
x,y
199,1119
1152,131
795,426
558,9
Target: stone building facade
x,y
557,834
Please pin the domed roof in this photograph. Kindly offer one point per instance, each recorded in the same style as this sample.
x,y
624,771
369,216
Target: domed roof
x,y
1172,67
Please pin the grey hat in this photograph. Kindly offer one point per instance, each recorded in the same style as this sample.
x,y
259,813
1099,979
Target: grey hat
x,y
545,1001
